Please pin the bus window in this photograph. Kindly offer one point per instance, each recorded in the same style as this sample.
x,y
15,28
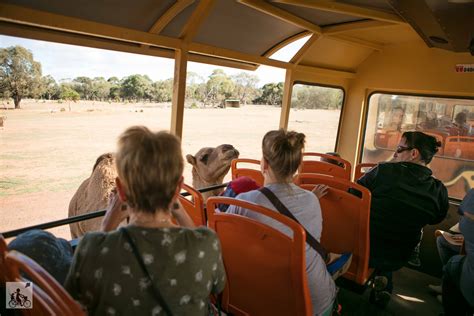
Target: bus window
x,y
449,120
230,109
316,111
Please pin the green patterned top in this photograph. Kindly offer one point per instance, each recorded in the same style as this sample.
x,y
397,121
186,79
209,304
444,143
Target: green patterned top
x,y
185,265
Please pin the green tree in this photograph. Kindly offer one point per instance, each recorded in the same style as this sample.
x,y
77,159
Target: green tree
x,y
49,88
84,86
245,86
316,97
68,94
193,83
271,93
162,91
115,88
219,86
20,74
100,89
137,87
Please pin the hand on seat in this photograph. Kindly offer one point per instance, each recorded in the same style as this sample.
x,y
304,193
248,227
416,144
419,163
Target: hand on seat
x,y
320,190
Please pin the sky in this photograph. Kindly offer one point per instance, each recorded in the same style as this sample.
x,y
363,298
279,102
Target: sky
x,y
69,61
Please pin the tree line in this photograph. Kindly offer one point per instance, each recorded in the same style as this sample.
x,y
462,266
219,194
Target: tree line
x,y
21,77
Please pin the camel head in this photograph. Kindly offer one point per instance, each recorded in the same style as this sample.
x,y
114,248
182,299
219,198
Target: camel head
x,y
210,165
107,158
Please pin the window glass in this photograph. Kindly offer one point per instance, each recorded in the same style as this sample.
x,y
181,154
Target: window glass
x,y
71,113
230,108
450,120
316,111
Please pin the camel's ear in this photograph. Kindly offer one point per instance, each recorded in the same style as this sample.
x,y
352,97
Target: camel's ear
x,y
191,159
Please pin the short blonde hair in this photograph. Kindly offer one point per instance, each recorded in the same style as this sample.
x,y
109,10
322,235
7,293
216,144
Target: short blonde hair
x,y
150,166
283,151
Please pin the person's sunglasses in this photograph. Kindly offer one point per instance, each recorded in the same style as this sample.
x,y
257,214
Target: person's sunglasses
x,y
401,149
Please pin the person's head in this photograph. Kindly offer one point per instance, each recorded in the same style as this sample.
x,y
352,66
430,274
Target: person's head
x,y
397,115
461,118
332,161
53,254
282,153
416,147
149,167
420,117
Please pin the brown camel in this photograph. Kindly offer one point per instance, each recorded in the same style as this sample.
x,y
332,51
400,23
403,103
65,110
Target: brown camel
x,y
93,194
210,165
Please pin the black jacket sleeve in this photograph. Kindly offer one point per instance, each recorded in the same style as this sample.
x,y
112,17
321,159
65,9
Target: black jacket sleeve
x,y
443,202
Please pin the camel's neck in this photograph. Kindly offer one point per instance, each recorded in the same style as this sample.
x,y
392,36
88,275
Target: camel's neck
x,y
199,183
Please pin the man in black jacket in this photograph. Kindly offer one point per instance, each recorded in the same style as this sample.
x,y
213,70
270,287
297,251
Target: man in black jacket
x,y
405,197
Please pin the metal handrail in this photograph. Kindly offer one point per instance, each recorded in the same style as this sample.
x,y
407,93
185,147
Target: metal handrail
x,y
83,217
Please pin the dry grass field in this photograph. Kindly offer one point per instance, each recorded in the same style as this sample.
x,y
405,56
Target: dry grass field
x,y
46,153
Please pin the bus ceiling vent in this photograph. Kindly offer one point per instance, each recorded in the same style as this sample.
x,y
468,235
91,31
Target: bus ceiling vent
x,y
440,23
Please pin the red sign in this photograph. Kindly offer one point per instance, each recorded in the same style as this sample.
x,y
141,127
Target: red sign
x,y
465,68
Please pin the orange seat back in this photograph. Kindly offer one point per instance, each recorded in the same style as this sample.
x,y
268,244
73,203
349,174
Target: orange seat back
x,y
309,165
49,297
265,268
459,147
346,223
361,169
193,205
255,174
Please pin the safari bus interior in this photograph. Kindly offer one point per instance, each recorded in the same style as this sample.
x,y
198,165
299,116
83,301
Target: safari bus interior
x,y
399,64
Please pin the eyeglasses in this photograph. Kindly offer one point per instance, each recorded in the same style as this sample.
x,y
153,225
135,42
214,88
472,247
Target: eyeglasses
x,y
401,149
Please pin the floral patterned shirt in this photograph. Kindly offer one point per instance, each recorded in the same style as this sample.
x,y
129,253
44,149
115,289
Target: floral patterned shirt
x,y
184,264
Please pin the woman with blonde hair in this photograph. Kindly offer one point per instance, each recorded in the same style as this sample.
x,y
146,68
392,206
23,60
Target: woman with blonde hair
x,y
282,154
151,266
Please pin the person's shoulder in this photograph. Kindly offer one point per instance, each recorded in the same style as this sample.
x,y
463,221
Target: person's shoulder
x,y
388,165
439,184
202,236
249,196
92,241
95,237
199,233
303,194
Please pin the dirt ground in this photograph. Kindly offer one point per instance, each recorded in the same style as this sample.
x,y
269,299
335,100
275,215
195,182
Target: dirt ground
x,y
46,153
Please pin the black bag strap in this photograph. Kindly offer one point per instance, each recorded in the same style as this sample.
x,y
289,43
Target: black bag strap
x,y
284,210
155,291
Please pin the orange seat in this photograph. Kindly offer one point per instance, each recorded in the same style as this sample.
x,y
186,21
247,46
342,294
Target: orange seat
x,y
265,268
49,297
321,167
346,223
361,169
255,174
193,205
459,147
